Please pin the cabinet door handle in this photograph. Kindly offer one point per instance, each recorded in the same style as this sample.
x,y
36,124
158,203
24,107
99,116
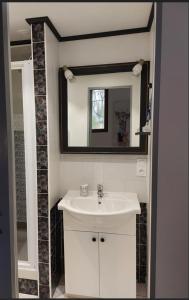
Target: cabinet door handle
x,y
94,239
102,240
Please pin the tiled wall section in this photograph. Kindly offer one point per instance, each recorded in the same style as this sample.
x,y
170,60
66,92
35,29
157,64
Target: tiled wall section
x,y
57,249
20,176
27,286
141,236
42,158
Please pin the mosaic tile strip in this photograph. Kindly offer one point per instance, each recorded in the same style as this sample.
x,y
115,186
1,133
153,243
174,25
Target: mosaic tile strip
x,y
44,292
20,176
42,156
43,251
43,233
39,55
57,249
141,241
38,32
42,181
41,111
27,286
42,159
41,132
43,205
40,82
44,273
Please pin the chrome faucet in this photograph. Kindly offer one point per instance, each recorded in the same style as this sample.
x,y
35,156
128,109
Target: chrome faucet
x,y
100,190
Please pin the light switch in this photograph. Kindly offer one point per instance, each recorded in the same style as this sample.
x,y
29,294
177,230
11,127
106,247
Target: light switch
x,y
141,167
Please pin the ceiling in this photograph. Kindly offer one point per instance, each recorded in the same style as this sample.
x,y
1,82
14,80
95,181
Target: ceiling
x,y
78,18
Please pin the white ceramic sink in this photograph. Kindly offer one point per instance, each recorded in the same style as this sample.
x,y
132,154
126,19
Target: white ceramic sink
x,y
114,207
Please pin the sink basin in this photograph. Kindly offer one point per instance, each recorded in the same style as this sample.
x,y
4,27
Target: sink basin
x,y
113,207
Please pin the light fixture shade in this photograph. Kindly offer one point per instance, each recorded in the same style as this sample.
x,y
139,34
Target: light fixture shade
x,y
137,69
68,73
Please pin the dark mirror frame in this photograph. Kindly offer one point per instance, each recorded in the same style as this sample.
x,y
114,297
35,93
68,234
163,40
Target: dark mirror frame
x,y
102,69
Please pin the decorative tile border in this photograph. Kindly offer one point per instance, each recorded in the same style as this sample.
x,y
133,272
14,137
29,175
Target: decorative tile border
x,y
38,32
57,250
39,55
27,286
20,176
38,47
141,237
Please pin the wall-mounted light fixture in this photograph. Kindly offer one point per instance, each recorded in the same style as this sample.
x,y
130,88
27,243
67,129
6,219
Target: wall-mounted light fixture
x,y
137,69
68,73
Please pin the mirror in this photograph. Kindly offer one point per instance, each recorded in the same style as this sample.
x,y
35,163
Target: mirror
x,y
103,108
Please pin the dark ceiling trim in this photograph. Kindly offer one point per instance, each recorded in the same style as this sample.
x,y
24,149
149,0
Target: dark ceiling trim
x,y
60,38
20,43
46,20
103,69
103,34
151,18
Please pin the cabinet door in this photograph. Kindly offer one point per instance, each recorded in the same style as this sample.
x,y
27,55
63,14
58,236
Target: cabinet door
x,y
81,263
117,254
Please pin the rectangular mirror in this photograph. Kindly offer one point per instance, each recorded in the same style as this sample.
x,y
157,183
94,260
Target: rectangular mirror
x,y
103,108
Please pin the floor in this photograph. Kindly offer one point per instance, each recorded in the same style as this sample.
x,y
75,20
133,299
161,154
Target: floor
x,y
22,243
60,290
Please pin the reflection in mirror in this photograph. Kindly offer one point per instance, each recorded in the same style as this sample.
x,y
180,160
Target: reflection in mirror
x,y
98,113
104,110
110,112
19,145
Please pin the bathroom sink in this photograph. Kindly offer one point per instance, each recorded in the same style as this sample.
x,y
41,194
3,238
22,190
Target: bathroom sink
x,y
113,207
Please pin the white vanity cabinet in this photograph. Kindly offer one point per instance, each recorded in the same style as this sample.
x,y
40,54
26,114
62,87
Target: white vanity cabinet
x,y
100,244
117,266
100,264
81,263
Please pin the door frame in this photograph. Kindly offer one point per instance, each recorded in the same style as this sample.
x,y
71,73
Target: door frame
x,y
154,160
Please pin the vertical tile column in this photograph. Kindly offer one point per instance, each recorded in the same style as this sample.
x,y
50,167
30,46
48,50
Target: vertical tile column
x,y
141,232
38,45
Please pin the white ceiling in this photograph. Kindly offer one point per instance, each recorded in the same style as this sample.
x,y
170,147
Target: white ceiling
x,y
78,18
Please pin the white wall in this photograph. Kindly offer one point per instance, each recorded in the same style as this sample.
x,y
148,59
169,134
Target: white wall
x,y
116,49
20,53
52,115
117,173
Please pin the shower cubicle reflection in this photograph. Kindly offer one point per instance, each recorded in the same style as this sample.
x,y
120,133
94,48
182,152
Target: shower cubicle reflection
x,y
19,149
24,134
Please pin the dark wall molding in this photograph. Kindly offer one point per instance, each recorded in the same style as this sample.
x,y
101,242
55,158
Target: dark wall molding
x,y
104,34
151,18
20,43
60,38
46,20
